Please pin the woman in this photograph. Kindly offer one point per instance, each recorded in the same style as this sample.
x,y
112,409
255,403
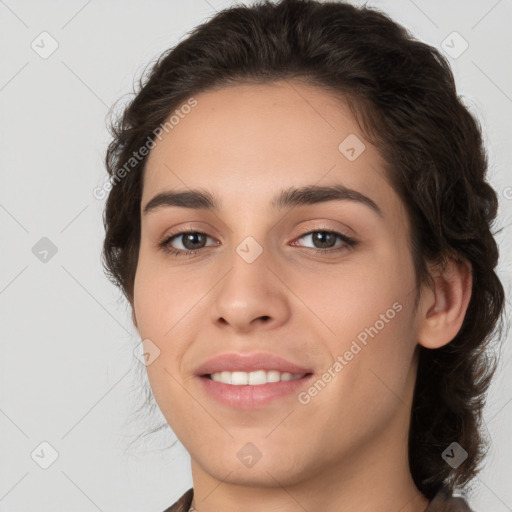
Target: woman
x,y
300,219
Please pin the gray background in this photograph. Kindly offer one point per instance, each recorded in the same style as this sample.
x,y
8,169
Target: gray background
x,y
68,375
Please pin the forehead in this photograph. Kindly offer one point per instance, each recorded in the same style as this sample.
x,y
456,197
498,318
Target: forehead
x,y
251,140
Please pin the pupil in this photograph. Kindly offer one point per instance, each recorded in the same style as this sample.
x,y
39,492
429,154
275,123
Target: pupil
x,y
191,237
321,236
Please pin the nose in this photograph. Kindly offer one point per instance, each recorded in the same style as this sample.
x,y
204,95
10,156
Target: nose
x,y
250,296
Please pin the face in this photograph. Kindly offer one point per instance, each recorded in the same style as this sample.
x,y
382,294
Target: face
x,y
326,283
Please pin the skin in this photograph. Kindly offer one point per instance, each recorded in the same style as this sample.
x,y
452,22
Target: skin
x,y
345,450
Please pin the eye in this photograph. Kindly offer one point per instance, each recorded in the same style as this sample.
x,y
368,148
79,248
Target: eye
x,y
326,239
191,241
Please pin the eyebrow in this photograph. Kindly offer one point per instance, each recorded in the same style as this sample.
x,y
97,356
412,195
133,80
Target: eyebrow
x,y
199,199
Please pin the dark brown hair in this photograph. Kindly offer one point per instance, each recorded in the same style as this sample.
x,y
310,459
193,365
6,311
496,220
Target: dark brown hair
x,y
403,94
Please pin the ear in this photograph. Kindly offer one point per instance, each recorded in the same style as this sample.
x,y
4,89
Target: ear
x,y
443,308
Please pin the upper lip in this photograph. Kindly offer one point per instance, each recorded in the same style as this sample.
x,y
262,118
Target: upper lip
x,y
248,362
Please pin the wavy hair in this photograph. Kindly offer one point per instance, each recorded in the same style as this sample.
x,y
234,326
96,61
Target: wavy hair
x,y
402,93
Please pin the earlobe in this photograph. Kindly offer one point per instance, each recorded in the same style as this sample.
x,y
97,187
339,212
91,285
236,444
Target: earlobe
x,y
444,307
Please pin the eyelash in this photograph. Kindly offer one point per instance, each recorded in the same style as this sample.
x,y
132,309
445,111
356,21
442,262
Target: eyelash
x,y
349,243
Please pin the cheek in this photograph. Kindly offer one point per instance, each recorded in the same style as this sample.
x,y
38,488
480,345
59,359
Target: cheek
x,y
367,312
158,309
380,320
162,295
348,298
166,304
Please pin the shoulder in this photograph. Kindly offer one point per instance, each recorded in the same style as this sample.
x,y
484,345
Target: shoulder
x,y
183,504
443,501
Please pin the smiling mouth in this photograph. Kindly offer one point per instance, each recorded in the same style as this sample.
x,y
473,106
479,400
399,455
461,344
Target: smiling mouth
x,y
254,378
252,390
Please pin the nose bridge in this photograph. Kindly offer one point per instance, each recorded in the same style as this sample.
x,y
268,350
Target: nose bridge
x,y
249,290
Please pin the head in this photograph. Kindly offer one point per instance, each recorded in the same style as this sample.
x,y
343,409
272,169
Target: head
x,y
252,104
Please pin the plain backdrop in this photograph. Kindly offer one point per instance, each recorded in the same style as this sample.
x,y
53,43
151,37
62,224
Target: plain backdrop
x,y
68,374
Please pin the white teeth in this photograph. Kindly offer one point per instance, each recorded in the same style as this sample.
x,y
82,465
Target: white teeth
x,y
255,378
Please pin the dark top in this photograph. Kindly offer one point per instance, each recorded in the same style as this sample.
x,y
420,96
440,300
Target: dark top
x,y
443,501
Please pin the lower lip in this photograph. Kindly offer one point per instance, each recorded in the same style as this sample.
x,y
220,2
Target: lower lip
x,y
251,397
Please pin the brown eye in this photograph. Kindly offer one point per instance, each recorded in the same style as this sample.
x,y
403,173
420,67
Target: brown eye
x,y
325,240
190,242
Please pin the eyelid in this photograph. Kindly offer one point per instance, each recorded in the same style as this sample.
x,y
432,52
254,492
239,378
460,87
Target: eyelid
x,y
190,227
328,225
323,227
